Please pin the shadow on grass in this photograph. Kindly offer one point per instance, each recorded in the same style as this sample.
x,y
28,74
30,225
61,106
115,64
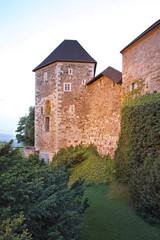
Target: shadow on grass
x,y
110,216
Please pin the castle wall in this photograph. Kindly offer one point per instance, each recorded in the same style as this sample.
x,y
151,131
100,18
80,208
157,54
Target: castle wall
x,y
68,109
104,114
69,112
141,60
46,89
73,109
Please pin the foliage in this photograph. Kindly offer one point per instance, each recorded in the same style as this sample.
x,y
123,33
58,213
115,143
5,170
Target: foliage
x,y
69,156
86,163
40,193
145,190
137,158
140,83
139,136
14,229
25,128
5,148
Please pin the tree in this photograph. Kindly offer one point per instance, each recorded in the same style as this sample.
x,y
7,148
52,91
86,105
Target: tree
x,y
25,128
39,199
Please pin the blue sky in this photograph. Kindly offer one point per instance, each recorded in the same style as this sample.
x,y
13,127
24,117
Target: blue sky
x,y
32,29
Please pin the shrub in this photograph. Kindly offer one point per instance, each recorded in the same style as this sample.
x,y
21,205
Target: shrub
x,y
14,228
137,158
139,136
69,156
84,162
144,187
40,193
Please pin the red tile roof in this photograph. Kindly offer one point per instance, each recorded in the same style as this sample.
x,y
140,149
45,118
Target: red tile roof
x,y
111,73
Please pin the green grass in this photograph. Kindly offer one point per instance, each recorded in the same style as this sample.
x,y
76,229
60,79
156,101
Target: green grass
x,y
110,216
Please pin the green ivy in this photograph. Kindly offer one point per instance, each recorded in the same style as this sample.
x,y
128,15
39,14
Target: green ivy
x,y
139,136
137,158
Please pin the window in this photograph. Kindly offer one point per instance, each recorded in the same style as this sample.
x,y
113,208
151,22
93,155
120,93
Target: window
x,y
48,107
46,124
41,110
45,76
67,87
83,82
133,86
70,71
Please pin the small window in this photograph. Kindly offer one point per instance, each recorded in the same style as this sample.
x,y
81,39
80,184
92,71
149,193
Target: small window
x,y
41,110
70,71
45,76
46,124
67,87
133,86
83,82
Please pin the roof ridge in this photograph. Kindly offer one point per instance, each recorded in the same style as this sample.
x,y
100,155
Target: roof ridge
x,y
142,34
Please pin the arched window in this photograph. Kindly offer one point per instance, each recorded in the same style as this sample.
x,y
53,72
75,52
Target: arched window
x,y
48,107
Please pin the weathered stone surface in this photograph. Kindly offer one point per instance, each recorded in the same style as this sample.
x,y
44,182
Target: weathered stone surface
x,y
104,114
90,113
142,61
67,109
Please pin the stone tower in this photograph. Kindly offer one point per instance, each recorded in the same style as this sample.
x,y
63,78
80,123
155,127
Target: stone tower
x,y
60,105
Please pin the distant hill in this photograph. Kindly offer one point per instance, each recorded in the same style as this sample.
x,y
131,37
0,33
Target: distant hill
x,y
7,137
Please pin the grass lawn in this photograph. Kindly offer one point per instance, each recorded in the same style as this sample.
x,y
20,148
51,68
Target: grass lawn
x,y
110,216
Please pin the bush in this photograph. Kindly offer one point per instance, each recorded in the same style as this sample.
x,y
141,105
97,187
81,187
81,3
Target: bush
x,y
145,190
40,193
69,156
84,162
139,136
14,228
137,158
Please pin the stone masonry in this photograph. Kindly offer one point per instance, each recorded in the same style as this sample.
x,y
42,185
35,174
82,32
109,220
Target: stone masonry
x,y
74,106
141,61
67,115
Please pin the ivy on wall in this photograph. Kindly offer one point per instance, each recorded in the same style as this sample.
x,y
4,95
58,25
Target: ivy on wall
x,y
137,158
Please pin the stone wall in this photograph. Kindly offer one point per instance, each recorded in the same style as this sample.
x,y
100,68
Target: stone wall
x,y
90,113
68,109
46,89
28,150
141,60
103,126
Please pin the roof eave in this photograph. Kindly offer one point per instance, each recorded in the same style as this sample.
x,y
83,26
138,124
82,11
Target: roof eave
x,y
79,61
94,79
142,34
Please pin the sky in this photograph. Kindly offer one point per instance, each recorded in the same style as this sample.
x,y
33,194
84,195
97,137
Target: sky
x,y
31,29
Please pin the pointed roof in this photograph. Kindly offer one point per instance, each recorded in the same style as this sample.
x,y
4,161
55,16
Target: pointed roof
x,y
111,73
67,51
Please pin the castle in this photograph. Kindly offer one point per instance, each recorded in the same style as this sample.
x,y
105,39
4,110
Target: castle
x,y
72,105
